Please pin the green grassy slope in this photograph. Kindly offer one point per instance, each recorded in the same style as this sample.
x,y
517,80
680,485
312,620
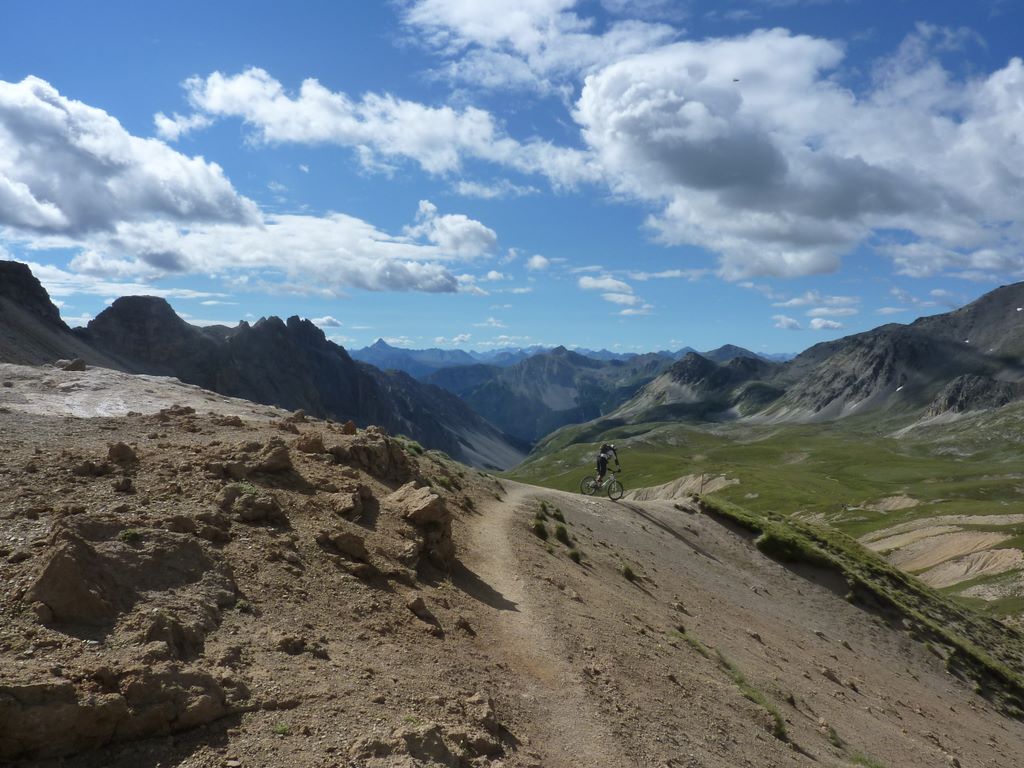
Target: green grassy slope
x,y
828,472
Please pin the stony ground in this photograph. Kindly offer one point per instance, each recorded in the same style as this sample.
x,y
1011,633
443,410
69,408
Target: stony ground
x,y
206,582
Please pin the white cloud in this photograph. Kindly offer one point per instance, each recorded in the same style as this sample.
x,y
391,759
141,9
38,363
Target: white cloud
x,y
520,291
494,276
457,235
504,340
668,274
821,324
173,128
815,297
380,127
534,44
325,322
494,190
77,321
457,340
537,263
890,310
832,312
490,322
60,282
134,210
604,283
69,169
621,298
750,147
641,310
787,323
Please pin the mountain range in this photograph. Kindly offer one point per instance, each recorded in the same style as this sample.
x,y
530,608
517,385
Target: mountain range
x,y
959,361
421,363
490,413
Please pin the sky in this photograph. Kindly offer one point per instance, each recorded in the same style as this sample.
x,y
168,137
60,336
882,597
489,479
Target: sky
x,y
623,174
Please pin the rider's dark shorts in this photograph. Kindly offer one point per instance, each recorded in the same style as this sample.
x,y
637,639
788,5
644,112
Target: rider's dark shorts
x,y
602,465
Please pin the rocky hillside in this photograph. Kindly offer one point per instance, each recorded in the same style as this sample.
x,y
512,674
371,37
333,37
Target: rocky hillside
x,y
31,330
546,391
416,362
287,363
208,582
292,364
697,387
968,359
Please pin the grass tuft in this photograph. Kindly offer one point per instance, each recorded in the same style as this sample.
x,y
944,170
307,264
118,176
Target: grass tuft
x,y
540,530
562,534
130,535
751,693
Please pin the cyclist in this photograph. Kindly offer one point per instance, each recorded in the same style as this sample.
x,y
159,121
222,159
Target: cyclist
x,y
607,452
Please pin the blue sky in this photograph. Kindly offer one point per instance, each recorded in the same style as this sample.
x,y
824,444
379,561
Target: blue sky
x,y
631,175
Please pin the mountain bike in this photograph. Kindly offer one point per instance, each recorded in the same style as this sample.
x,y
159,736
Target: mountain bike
x,y
589,486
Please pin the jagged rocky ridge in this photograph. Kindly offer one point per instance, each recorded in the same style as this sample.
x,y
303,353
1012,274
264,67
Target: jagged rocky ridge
x,y
292,364
959,361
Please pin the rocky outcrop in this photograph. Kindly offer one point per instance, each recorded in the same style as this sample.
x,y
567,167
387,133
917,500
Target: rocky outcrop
x,y
429,514
52,718
970,393
31,329
19,285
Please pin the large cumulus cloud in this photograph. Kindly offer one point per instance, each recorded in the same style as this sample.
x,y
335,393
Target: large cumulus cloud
x,y
134,209
69,168
753,150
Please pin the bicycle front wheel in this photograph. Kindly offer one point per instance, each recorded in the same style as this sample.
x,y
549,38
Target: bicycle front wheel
x,y
615,490
588,485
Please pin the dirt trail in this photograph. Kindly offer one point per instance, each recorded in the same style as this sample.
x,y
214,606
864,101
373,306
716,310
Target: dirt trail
x,y
567,728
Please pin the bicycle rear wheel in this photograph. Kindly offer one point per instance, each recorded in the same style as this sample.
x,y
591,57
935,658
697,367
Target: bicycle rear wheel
x,y
615,490
588,485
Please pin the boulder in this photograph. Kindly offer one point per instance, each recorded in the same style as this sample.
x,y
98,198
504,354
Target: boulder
x,y
312,442
417,505
259,508
73,586
121,453
274,457
78,364
428,513
347,543
376,453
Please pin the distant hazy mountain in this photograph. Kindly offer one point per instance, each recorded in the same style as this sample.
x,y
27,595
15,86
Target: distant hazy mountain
x,y
506,356
415,362
548,390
